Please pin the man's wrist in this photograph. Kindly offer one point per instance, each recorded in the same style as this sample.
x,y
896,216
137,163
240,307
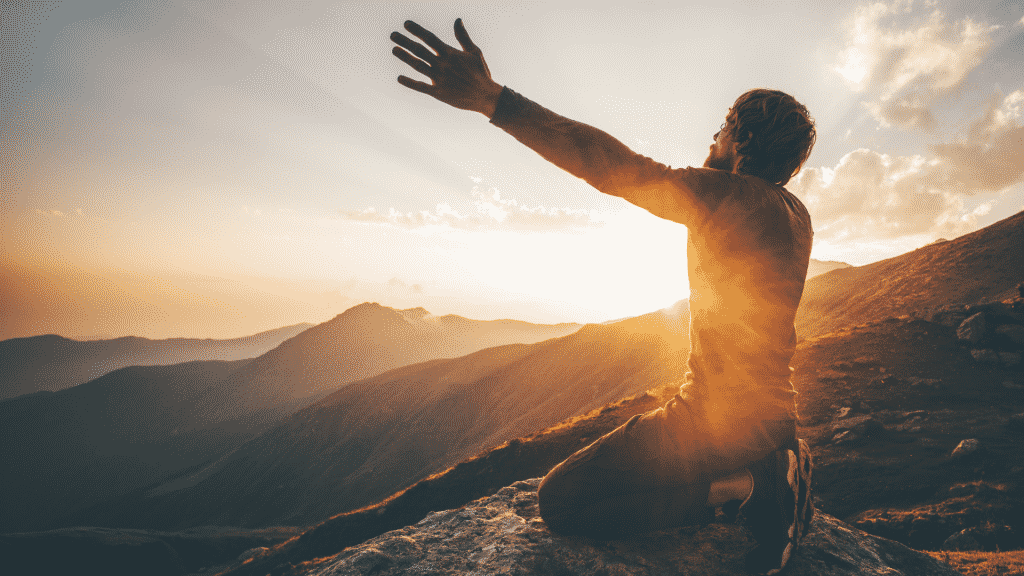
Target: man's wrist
x,y
489,99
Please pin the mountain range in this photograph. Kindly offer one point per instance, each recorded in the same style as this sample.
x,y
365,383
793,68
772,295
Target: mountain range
x,y
67,451
305,443
49,363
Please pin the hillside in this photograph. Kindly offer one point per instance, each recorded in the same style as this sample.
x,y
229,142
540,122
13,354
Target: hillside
x,y
68,451
884,406
985,264
51,363
373,437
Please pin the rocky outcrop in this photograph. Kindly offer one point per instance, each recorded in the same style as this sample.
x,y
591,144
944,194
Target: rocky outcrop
x,y
503,534
994,331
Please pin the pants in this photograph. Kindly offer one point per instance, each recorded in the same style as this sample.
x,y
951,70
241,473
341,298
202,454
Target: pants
x,y
651,473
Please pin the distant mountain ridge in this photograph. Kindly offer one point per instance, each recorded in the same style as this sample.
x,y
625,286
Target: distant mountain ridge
x,y
51,363
377,435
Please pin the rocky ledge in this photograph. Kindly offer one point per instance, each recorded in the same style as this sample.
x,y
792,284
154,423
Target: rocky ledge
x,y
503,534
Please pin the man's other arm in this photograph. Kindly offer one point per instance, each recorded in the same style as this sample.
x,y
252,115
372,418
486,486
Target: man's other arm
x,y
460,78
598,158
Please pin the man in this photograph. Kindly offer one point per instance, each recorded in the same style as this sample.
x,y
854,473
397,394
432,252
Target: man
x,y
729,437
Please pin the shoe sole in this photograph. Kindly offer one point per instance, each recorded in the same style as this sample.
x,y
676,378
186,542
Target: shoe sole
x,y
798,476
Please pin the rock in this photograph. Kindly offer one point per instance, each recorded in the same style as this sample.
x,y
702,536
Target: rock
x,y
865,425
502,534
966,448
252,552
1016,422
843,412
925,382
951,316
962,541
1000,312
1009,359
989,536
973,329
985,356
1015,332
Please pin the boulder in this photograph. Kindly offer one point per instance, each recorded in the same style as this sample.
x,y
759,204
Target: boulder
x,y
973,329
1009,359
950,316
966,448
1014,332
985,356
962,541
864,425
1016,422
503,534
989,536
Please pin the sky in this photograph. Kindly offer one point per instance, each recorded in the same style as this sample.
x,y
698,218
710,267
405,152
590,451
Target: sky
x,y
213,169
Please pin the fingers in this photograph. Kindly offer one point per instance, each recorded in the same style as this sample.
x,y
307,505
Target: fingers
x,y
463,37
417,64
416,85
427,36
412,46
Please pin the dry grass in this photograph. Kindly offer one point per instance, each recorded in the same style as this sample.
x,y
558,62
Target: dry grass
x,y
983,563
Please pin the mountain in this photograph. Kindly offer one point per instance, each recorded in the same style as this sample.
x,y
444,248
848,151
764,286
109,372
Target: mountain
x,y
988,263
819,267
68,451
367,340
51,363
378,435
89,443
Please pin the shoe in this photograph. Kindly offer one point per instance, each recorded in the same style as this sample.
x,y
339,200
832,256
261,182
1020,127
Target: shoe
x,y
779,510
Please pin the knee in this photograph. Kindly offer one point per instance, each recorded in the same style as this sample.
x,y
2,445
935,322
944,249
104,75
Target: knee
x,y
553,502
546,497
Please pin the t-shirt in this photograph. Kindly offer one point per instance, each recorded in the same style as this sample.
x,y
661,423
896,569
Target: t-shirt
x,y
748,247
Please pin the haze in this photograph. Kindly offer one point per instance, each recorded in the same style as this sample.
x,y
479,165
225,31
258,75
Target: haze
x,y
214,169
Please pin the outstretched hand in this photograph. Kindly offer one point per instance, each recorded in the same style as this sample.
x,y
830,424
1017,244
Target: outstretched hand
x,y
459,78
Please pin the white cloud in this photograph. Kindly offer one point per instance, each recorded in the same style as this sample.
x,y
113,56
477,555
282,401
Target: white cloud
x,y
904,69
990,156
874,196
491,211
870,198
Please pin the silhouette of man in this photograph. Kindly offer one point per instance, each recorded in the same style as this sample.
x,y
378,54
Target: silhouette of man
x,y
728,438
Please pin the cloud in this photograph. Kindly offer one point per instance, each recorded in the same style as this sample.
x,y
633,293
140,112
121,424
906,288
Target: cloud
x,y
491,211
56,213
871,196
904,69
989,156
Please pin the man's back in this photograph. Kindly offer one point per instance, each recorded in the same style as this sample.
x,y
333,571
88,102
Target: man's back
x,y
747,261
748,248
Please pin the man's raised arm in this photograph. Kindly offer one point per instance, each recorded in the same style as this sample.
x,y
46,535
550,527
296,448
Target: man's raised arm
x,y
461,79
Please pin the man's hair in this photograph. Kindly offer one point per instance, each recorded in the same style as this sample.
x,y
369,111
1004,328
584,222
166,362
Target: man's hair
x,y
773,132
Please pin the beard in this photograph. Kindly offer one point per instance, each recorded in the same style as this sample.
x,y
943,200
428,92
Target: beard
x,y
718,163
